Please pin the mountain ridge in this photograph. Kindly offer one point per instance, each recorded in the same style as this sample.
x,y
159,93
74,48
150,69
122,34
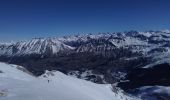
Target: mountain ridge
x,y
55,45
101,58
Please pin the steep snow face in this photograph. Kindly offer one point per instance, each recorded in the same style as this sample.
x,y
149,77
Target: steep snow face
x,y
35,46
41,46
16,84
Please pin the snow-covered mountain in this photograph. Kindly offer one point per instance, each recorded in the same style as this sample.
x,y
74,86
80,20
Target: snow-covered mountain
x,y
35,46
144,42
16,83
122,58
151,46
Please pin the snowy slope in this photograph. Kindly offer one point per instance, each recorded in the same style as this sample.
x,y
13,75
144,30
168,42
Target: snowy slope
x,y
17,84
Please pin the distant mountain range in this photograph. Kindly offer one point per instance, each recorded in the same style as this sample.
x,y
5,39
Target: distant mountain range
x,y
100,58
144,42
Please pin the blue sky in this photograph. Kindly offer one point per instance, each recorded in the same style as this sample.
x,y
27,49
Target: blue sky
x,y
26,19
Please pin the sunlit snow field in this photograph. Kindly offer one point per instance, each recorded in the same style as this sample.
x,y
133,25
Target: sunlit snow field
x,y
15,84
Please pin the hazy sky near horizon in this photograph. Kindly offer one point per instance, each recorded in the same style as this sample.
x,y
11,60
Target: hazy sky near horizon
x,y
25,19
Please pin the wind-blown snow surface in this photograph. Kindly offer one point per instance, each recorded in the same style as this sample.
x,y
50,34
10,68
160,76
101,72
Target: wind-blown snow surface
x,y
17,84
